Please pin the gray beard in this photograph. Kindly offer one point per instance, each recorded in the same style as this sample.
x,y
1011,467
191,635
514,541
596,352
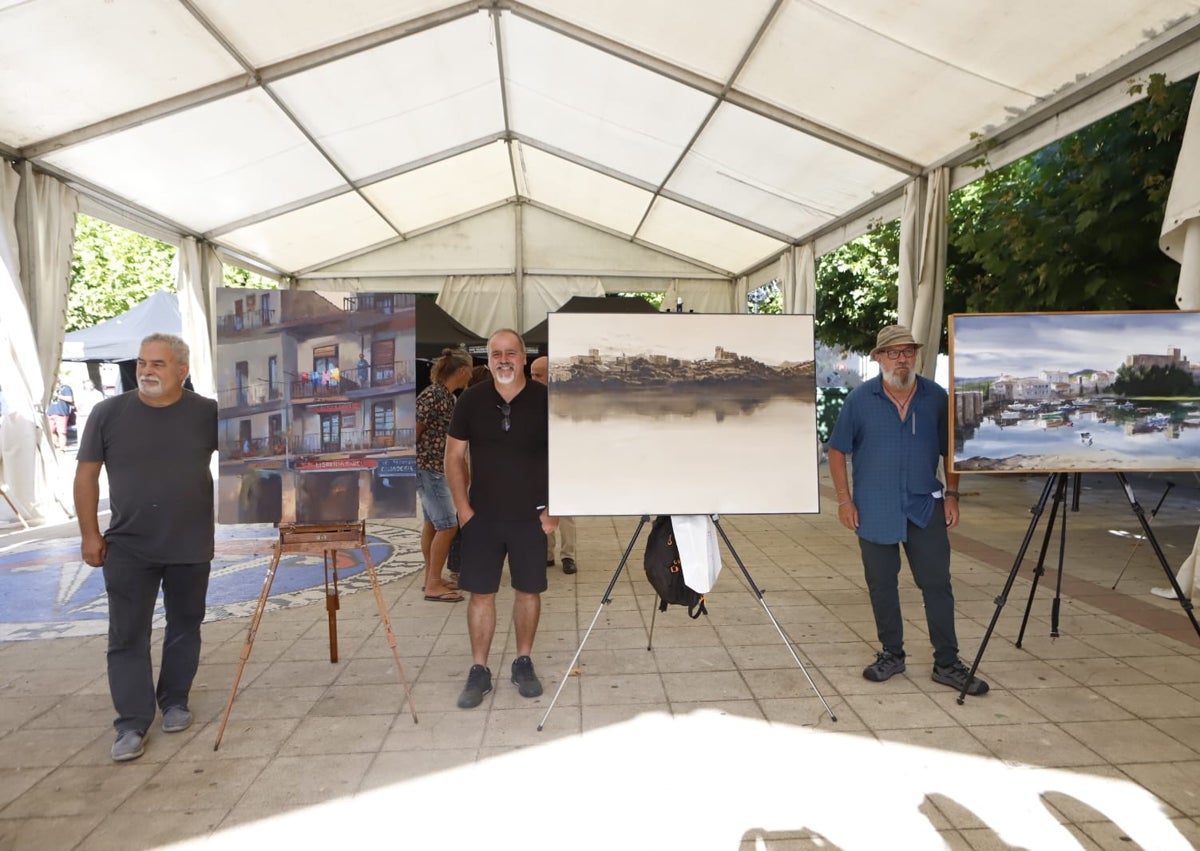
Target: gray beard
x,y
897,383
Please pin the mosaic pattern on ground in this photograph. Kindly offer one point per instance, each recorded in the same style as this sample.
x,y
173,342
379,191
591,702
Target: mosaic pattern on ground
x,y
46,591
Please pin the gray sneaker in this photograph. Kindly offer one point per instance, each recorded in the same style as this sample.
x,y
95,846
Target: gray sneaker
x,y
176,719
886,665
957,677
524,678
479,683
128,746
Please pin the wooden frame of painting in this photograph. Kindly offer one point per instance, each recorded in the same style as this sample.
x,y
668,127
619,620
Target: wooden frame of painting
x,y
315,406
673,413
1075,392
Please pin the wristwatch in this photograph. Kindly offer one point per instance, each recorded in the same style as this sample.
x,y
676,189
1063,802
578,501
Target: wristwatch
x,y
954,494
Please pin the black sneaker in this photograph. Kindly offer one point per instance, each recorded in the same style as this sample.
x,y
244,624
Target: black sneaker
x,y
479,683
956,676
524,678
569,565
886,665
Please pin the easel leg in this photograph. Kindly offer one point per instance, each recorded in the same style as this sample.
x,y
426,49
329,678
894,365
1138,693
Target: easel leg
x,y
332,603
758,593
1184,601
268,580
387,624
1039,570
603,602
15,510
1037,510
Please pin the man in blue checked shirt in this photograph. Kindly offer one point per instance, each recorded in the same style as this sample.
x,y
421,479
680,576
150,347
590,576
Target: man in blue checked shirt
x,y
895,427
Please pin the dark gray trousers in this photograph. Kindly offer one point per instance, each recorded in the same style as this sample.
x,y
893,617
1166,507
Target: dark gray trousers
x,y
132,585
928,553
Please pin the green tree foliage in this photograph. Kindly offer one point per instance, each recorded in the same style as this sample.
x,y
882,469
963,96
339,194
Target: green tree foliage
x,y
1156,381
1073,226
856,289
765,299
113,269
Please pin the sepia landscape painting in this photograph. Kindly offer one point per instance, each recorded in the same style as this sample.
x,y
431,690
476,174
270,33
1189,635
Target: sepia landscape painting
x,y
1076,392
316,409
682,414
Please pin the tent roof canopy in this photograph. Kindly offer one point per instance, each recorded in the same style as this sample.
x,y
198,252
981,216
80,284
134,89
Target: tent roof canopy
x,y
297,135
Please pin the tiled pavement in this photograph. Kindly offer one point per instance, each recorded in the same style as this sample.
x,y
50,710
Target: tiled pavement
x,y
712,740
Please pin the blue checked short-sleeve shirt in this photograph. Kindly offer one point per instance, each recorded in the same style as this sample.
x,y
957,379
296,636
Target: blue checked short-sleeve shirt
x,y
894,463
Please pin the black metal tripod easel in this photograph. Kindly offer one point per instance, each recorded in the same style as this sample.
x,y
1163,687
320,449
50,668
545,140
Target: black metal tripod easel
x,y
1057,483
607,598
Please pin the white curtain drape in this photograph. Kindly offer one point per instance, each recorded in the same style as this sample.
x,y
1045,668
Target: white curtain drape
x,y
46,211
545,293
701,296
37,222
1180,235
484,303
799,279
741,290
922,284
198,273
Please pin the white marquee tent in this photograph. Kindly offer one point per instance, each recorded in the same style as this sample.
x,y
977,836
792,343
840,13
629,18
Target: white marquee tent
x,y
509,155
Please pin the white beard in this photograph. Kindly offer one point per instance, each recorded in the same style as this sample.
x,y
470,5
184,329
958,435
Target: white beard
x,y
150,387
897,382
506,377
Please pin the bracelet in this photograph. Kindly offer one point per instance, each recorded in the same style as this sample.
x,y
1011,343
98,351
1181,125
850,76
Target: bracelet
x,y
954,494
845,502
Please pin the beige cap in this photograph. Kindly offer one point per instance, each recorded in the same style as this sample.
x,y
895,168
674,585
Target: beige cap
x,y
894,335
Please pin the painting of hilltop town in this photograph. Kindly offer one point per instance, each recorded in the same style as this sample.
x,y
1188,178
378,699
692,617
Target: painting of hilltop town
x,y
673,413
1076,392
316,406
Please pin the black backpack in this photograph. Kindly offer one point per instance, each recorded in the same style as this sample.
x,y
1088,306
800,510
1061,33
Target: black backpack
x,y
666,573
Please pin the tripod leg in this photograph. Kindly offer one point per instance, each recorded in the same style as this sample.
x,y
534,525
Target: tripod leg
x,y
603,602
1184,600
1012,575
1138,542
787,642
1056,606
387,624
1060,495
255,620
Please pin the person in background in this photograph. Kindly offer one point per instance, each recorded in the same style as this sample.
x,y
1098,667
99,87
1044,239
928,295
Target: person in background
x,y
59,413
435,405
502,511
539,371
155,443
895,428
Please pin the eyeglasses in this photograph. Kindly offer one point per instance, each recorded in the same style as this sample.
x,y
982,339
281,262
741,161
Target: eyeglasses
x,y
505,409
894,354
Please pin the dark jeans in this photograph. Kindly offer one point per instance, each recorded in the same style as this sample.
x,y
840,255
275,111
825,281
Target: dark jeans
x,y
928,552
132,585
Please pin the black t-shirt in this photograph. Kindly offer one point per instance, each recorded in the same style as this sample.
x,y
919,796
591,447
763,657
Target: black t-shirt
x,y
509,469
160,487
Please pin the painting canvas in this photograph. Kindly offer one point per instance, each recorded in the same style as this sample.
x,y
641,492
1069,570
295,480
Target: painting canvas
x,y
682,414
316,406
1076,392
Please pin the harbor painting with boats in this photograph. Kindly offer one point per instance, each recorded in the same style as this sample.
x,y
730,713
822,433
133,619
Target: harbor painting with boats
x,y
1074,392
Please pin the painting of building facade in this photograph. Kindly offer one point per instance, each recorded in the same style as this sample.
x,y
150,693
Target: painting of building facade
x,y
1074,392
316,417
682,414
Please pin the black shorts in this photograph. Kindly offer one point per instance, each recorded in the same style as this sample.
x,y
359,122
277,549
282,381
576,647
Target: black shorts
x,y
485,543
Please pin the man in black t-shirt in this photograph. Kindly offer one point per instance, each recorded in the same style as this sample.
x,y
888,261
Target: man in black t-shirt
x,y
155,444
501,503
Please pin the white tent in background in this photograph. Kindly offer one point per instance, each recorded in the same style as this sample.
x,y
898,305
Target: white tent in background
x,y
119,338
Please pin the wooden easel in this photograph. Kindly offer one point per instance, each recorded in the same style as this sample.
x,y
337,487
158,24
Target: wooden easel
x,y
326,540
